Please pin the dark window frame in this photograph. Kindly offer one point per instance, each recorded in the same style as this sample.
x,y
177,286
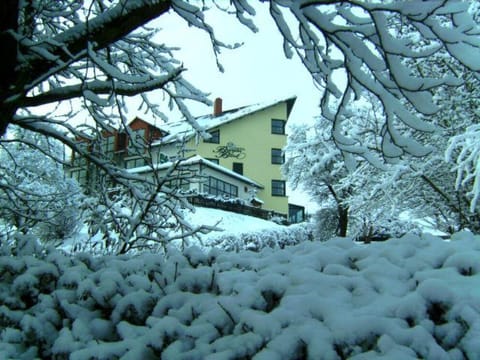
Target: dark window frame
x,y
134,162
279,188
296,213
108,145
215,137
121,144
239,169
179,184
136,142
277,156
219,187
278,126
79,160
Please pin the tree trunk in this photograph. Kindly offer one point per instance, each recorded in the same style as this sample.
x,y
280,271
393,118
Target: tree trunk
x,y
8,21
342,211
342,220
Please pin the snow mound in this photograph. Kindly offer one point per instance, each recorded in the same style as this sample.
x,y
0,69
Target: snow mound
x,y
228,222
242,232
408,298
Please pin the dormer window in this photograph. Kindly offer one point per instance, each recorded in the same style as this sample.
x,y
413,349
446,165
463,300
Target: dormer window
x,y
215,137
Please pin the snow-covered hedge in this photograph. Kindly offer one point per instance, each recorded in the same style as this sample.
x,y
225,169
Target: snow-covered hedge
x,y
406,298
277,237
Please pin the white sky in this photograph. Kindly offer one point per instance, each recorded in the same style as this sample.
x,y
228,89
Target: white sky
x,y
256,72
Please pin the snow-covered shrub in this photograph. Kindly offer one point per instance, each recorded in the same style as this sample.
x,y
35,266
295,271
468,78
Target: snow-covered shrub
x,y
326,223
405,298
268,238
280,220
36,196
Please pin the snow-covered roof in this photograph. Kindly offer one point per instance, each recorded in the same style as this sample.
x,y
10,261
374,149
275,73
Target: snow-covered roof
x,y
146,121
260,201
197,159
182,129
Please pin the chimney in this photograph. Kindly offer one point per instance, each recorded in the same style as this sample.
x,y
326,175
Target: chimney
x,y
217,107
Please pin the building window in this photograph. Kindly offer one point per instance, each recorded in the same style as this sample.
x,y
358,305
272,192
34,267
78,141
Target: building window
x,y
79,160
137,142
134,162
179,184
214,137
278,188
108,145
121,141
213,160
278,126
238,168
220,188
277,156
296,214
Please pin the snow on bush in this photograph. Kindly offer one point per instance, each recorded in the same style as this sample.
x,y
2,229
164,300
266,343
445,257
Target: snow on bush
x,y
408,298
275,237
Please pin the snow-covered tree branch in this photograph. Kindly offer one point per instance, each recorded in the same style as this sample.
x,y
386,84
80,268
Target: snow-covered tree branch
x,y
369,43
423,188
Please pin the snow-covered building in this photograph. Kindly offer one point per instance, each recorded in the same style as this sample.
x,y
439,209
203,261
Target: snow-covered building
x,y
207,177
241,159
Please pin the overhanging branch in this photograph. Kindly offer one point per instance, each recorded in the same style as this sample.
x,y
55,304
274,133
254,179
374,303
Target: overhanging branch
x,y
103,30
98,87
38,59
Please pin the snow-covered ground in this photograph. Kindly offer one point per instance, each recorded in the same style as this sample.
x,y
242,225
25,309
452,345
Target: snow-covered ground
x,y
241,232
409,298
228,222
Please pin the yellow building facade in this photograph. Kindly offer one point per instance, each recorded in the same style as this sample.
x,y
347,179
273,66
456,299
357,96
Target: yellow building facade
x,y
248,141
253,134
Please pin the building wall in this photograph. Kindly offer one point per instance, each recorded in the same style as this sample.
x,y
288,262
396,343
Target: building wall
x,y
173,151
253,133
